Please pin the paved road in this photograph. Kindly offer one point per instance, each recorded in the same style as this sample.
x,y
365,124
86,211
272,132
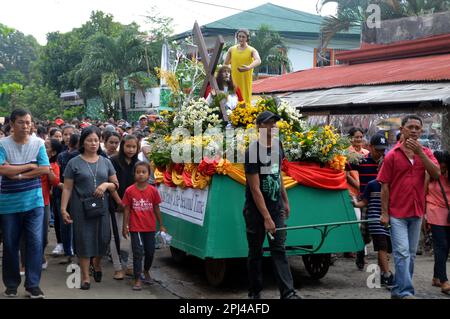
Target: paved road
x,y
187,280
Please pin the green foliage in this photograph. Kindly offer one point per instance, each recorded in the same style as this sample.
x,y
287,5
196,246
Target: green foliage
x,y
73,112
42,101
84,58
122,55
109,93
10,88
17,53
351,13
5,31
271,49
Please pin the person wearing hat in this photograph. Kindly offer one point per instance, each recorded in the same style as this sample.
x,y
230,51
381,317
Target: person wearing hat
x,y
266,208
371,198
367,172
143,121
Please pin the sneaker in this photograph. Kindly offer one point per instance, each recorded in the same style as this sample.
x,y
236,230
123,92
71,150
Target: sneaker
x,y
387,282
254,296
10,292
35,293
293,296
410,297
59,250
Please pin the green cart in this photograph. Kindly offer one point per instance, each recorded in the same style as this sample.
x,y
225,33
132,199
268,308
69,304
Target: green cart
x,y
217,233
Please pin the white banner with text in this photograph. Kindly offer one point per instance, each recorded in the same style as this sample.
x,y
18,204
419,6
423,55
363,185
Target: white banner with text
x,y
188,204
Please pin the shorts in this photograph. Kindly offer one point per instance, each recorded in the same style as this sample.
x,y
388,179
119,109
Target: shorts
x,y
382,242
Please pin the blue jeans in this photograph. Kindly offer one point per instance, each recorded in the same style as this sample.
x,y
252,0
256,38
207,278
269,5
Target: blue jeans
x,y
65,230
405,234
30,224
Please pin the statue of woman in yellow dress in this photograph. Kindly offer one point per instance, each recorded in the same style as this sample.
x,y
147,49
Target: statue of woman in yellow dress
x,y
243,59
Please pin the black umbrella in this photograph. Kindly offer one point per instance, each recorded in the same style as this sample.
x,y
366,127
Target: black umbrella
x,y
115,228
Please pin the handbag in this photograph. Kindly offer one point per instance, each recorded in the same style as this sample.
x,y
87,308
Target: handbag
x,y
445,199
93,207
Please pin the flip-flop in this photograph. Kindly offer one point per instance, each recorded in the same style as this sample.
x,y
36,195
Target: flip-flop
x,y
148,281
137,288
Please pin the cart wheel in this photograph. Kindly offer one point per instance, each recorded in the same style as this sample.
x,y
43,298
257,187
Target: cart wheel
x,y
178,255
215,270
317,265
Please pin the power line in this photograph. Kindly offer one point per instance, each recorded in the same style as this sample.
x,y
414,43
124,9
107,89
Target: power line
x,y
253,12
192,10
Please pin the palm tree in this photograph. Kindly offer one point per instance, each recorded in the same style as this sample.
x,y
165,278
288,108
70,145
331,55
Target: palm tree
x,y
352,13
114,58
271,49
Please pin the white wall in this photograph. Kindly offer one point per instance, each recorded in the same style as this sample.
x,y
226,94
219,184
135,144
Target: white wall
x,y
300,52
150,99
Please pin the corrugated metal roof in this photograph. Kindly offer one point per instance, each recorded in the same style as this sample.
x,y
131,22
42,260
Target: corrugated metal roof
x,y
380,94
418,69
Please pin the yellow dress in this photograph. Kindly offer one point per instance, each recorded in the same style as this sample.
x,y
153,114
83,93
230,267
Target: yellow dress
x,y
243,80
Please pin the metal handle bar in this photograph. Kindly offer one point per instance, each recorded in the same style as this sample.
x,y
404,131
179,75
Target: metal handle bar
x,y
327,228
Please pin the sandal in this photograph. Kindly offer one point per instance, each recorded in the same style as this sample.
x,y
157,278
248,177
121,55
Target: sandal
x,y
445,288
137,288
97,276
85,286
149,281
119,275
436,282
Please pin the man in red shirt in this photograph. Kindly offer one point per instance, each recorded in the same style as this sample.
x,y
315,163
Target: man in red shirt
x,y
402,176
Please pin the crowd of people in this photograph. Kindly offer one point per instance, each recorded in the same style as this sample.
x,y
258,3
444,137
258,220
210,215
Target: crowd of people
x,y
402,192
94,179
88,176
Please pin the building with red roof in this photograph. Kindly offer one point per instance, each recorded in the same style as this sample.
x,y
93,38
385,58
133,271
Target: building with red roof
x,y
395,74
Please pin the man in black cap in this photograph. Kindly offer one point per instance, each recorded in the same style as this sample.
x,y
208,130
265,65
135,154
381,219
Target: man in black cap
x,y
368,171
266,208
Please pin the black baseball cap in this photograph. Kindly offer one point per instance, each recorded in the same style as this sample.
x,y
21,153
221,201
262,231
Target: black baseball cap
x,y
379,142
266,116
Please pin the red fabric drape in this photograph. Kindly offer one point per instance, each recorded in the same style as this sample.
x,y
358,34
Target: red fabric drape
x,y
312,175
168,178
187,177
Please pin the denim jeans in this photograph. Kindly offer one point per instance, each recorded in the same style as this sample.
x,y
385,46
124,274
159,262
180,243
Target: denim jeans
x,y
405,233
441,245
23,245
31,225
65,230
256,234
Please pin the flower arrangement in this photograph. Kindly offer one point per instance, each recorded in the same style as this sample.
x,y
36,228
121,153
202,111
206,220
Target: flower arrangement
x,y
244,115
198,111
317,144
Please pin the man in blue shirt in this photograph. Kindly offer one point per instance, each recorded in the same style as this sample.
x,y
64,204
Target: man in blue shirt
x,y
23,160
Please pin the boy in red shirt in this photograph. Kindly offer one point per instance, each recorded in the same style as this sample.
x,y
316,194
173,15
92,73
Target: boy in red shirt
x,y
141,202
